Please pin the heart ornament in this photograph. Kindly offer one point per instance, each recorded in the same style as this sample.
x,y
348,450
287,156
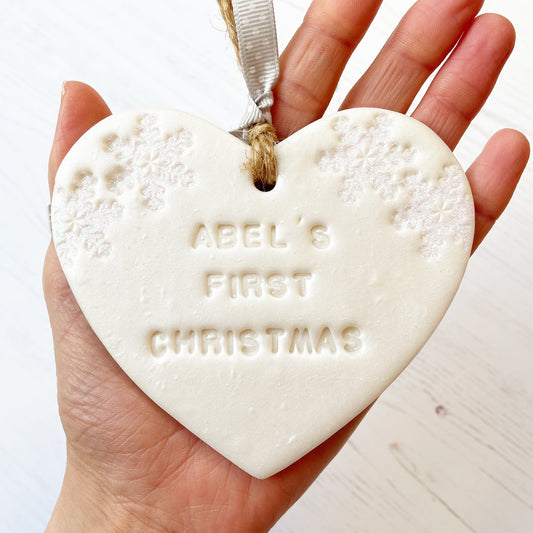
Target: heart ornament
x,y
262,321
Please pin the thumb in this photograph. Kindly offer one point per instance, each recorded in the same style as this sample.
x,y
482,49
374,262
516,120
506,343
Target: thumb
x,y
81,108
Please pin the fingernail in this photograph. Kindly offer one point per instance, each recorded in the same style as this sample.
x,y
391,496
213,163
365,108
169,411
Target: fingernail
x,y
63,92
63,89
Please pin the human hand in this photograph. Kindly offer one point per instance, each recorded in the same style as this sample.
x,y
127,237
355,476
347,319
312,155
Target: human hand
x,y
130,466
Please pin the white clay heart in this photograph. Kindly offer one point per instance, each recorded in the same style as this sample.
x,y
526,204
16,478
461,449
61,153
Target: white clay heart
x,y
262,321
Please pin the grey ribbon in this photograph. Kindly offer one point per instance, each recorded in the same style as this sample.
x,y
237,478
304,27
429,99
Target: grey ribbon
x,y
258,46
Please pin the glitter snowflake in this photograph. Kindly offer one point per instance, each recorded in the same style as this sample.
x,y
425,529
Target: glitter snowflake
x,y
149,161
367,156
80,221
437,209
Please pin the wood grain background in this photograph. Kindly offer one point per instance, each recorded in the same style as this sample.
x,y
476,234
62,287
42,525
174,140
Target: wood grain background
x,y
448,448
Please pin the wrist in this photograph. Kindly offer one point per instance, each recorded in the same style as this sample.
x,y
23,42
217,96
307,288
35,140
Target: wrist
x,y
86,503
82,504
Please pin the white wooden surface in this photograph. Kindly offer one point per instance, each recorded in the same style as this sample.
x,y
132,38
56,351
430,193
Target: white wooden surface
x,y
448,448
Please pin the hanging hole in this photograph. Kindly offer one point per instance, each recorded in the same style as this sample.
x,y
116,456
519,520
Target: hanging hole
x,y
263,186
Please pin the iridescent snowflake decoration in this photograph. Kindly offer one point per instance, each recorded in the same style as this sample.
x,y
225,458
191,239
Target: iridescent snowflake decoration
x,y
80,221
367,157
437,210
149,162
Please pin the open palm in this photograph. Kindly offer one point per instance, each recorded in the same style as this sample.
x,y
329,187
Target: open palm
x,y
130,466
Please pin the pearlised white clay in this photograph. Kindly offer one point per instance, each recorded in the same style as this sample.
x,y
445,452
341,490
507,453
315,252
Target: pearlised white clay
x,y
262,321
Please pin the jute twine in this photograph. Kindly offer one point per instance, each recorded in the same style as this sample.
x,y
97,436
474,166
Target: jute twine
x,y
262,163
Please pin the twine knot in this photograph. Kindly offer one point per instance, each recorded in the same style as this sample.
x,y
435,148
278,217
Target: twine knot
x,y
262,162
261,136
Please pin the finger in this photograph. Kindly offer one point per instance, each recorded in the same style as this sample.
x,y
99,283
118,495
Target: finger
x,y
420,43
493,177
81,108
311,65
467,78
